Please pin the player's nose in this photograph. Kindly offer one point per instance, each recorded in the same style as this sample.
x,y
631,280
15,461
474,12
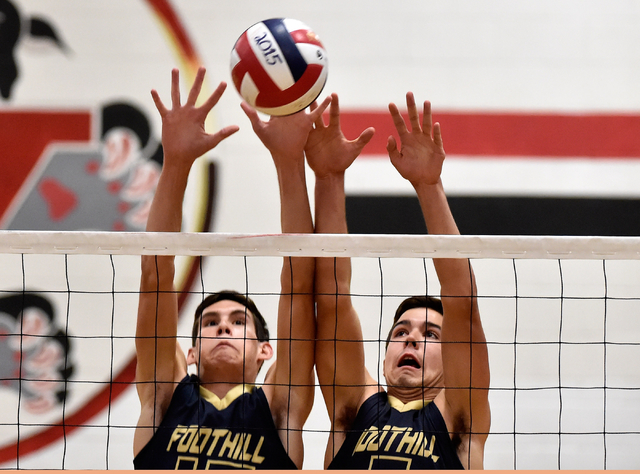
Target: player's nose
x,y
224,327
412,338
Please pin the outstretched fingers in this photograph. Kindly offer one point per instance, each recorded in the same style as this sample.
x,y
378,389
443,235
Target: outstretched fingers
x,y
412,110
316,113
318,122
175,88
159,104
214,97
334,111
401,127
426,118
253,116
425,127
398,121
437,135
196,87
194,92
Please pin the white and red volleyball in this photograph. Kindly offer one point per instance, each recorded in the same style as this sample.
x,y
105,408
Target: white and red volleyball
x,y
279,66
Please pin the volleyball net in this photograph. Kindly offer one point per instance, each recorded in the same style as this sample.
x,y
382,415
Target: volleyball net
x,y
561,317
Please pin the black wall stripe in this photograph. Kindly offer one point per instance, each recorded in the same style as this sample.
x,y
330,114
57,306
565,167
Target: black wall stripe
x,y
499,215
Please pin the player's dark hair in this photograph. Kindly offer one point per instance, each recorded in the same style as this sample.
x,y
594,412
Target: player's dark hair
x,y
428,302
262,331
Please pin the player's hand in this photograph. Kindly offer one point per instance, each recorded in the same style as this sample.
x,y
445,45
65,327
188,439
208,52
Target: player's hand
x,y
285,136
420,156
184,138
328,151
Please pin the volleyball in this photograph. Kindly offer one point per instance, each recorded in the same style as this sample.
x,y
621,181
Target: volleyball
x,y
279,66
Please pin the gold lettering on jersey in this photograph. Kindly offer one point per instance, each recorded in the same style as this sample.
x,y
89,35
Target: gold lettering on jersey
x,y
395,431
197,446
417,444
246,455
186,440
367,438
229,444
236,453
217,434
222,445
177,435
409,440
401,440
256,458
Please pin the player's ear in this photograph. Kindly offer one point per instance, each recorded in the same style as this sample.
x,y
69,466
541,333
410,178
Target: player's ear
x,y
265,351
191,356
384,366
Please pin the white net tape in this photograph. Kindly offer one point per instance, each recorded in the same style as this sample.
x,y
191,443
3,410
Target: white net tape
x,y
324,245
561,316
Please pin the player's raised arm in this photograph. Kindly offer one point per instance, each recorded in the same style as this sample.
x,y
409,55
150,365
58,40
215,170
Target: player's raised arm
x,y
160,362
289,386
339,349
464,401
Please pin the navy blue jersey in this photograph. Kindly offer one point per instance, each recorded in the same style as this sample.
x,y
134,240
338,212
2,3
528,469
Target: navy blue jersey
x,y
202,431
389,435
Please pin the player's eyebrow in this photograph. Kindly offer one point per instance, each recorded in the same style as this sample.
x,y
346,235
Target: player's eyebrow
x,y
433,325
233,313
407,323
403,322
241,312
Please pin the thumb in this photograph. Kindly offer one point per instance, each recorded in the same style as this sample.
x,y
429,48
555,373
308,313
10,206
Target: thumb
x,y
251,113
392,147
364,138
214,139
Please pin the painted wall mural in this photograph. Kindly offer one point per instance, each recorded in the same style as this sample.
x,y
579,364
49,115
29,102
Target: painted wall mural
x,y
540,113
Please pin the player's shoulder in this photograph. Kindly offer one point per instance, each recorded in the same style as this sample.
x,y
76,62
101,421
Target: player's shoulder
x,y
446,410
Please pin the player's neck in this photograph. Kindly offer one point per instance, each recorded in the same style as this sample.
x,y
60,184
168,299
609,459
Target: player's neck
x,y
411,394
220,389
222,378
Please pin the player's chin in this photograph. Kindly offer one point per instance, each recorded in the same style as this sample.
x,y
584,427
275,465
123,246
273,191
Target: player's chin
x,y
406,380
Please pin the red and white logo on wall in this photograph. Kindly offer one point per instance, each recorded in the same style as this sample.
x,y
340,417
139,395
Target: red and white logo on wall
x,y
80,151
